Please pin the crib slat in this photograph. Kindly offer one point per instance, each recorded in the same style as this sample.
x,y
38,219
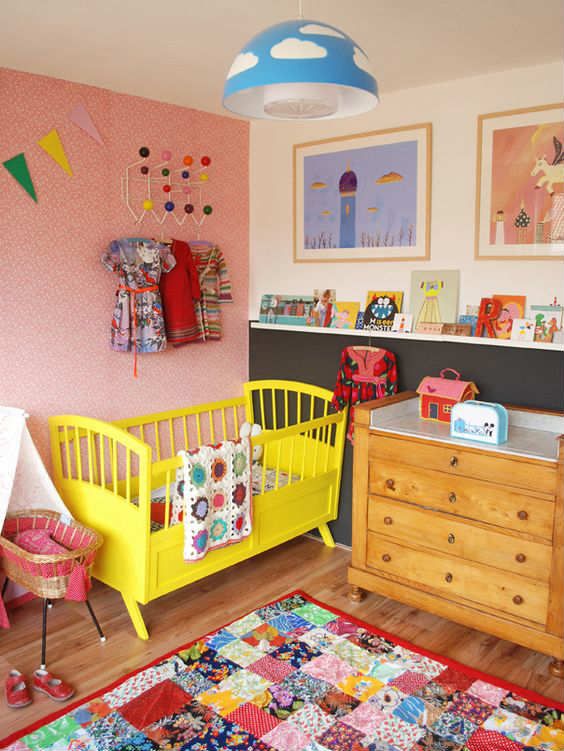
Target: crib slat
x,y
171,435
167,499
77,456
306,435
67,454
199,429
185,431
142,432
224,424
102,461
236,420
316,452
91,463
212,428
128,474
278,465
273,401
114,464
262,415
286,409
291,464
157,440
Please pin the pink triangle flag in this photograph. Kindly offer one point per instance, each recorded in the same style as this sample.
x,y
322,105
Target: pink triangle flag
x,y
81,117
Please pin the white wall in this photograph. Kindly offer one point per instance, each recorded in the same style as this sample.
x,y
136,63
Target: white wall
x,y
452,108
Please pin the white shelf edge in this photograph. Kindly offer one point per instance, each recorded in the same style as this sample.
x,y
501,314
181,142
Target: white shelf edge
x,y
415,337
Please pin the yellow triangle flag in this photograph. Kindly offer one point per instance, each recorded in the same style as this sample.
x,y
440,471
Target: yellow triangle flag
x,y
51,143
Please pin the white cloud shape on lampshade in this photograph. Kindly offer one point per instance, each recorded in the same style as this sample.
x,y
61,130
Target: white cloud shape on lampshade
x,y
315,28
244,61
292,49
361,61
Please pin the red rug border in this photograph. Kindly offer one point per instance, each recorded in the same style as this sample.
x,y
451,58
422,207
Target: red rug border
x,y
473,672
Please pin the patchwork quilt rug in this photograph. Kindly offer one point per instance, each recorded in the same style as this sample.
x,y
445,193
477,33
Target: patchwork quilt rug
x,y
297,675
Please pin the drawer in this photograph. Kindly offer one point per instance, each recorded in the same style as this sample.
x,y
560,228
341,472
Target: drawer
x,y
480,464
454,537
463,496
490,587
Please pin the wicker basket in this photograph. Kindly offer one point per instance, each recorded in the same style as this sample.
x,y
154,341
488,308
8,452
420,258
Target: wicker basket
x,y
46,575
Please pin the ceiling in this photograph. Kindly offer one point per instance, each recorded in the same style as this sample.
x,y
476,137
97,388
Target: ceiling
x,y
179,51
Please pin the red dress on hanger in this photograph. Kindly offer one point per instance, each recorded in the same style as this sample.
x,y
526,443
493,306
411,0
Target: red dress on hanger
x,y
179,289
365,373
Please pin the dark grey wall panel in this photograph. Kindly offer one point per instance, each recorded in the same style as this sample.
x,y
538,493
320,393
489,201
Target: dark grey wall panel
x,y
525,377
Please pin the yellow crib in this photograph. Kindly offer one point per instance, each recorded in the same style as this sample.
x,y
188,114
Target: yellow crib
x,y
109,473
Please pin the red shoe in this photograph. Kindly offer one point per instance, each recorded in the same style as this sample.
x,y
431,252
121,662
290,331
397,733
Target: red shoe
x,y
55,688
17,694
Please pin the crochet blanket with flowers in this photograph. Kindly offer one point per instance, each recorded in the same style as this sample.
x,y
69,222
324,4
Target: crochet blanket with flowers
x,y
217,497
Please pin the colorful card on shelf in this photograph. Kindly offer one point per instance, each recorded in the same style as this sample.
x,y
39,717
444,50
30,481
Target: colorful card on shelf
x,y
457,329
548,320
345,315
512,307
359,320
381,307
469,319
403,323
434,296
322,310
523,330
490,308
429,328
290,310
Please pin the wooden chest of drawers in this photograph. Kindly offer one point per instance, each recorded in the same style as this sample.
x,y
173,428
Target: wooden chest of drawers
x,y
470,532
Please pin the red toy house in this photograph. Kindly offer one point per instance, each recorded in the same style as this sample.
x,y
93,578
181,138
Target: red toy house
x,y
437,395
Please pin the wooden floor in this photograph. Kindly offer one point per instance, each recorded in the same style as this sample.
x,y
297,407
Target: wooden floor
x,y
75,653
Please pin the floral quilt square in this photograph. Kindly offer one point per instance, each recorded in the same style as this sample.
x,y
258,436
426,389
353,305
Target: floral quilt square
x,y
271,669
265,637
295,652
329,668
513,726
453,727
253,719
307,687
241,653
337,703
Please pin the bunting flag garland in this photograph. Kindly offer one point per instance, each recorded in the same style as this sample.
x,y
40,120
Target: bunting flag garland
x,y
51,144
17,167
81,117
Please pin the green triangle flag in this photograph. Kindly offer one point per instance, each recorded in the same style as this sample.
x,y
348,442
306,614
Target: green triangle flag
x,y
17,167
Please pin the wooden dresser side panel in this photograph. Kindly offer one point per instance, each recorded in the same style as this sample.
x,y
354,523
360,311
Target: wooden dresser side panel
x,y
555,621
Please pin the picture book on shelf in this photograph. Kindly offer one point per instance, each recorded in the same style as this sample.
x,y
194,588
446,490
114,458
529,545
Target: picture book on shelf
x,y
381,307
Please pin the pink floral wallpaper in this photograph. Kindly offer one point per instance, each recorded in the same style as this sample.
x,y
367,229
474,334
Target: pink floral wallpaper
x,y
57,299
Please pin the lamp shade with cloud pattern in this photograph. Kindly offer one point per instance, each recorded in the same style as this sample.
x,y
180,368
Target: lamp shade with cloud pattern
x,y
300,69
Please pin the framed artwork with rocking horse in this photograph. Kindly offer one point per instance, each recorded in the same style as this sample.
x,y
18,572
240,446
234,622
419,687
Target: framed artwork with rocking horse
x,y
520,184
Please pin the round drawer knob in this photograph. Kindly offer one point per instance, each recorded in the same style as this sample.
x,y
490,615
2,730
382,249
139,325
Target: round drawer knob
x,y
451,539
452,497
520,557
453,461
390,484
388,520
518,600
386,557
448,578
523,515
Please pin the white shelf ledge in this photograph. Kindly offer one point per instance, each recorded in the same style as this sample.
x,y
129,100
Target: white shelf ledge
x,y
411,337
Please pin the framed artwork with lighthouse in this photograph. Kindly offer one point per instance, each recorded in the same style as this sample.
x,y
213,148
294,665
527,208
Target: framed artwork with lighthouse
x,y
520,184
364,197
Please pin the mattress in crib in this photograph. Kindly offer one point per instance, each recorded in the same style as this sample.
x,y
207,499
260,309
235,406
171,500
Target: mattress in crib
x,y
158,495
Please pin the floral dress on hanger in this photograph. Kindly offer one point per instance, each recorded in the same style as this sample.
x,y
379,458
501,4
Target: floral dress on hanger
x,y
137,322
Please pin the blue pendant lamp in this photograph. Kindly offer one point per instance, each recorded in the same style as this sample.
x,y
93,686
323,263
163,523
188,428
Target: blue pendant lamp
x,y
300,70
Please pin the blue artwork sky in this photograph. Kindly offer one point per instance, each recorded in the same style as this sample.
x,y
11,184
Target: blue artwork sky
x,y
385,212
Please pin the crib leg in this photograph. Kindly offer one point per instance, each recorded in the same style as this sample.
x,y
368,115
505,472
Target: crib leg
x,y
44,633
93,616
136,617
326,535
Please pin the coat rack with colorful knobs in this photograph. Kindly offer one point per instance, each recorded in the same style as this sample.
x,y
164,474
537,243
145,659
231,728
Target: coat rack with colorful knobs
x,y
166,191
